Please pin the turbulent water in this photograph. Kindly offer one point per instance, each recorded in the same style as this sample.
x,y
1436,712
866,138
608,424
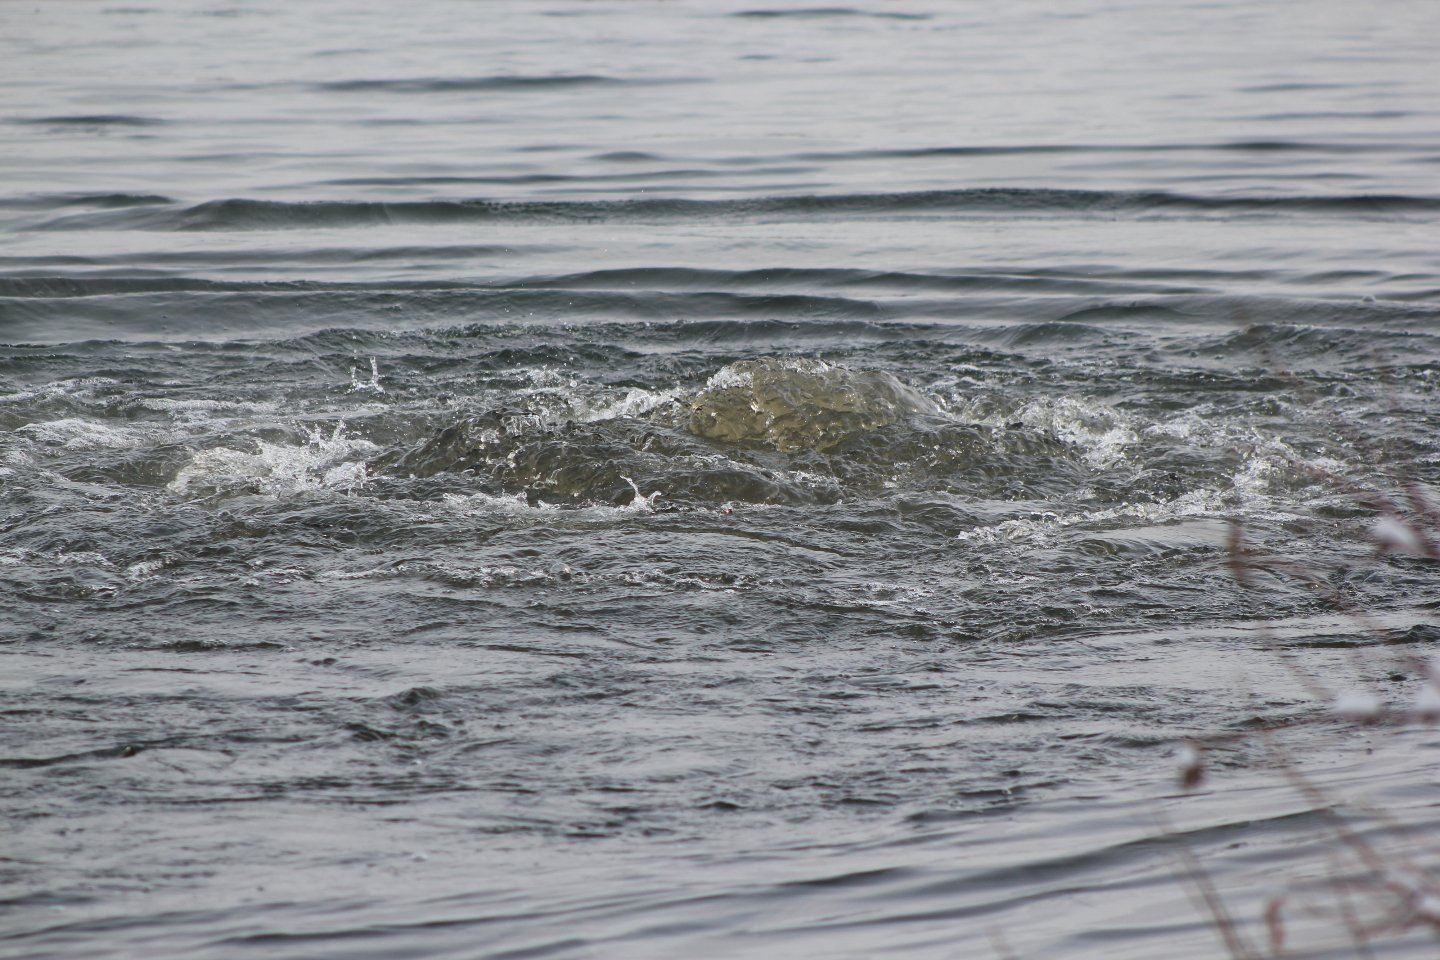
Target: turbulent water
x,y
707,479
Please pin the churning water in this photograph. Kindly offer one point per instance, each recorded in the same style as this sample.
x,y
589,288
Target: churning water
x,y
706,479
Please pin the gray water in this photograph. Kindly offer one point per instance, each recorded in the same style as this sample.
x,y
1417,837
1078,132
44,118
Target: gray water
x,y
624,479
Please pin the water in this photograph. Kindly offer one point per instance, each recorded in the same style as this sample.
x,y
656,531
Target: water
x,y
711,479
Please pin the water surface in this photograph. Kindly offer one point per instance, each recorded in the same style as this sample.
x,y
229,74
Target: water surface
x,y
708,479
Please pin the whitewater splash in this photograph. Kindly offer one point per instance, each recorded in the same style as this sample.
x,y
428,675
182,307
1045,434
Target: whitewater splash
x,y
322,462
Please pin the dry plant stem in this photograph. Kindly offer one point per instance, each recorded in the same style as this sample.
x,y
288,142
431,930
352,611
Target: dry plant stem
x,y
1419,503
1275,924
1346,907
1240,563
1404,915
1406,524
1210,899
1243,561
1424,843
1323,805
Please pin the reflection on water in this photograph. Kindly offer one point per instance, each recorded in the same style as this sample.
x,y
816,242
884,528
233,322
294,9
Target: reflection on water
x,y
521,481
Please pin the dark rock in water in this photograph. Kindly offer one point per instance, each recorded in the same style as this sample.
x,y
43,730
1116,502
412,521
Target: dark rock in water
x,y
610,461
774,409
760,431
797,404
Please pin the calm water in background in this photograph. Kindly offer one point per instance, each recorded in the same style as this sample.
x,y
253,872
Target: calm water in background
x,y
368,586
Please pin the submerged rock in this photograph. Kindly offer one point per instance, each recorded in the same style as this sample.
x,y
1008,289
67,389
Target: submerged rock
x,y
607,462
797,404
768,430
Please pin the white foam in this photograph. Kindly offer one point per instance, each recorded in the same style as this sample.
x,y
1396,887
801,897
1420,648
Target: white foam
x,y
366,386
145,568
641,502
1195,424
635,403
548,378
729,377
86,557
1102,433
202,409
366,574
78,434
485,503
78,388
321,463
1046,526
518,505
1274,467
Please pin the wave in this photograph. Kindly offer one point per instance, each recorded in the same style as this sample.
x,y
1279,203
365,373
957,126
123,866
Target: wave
x,y
490,84
150,262
810,13
90,120
1032,149
529,179
69,288
199,310
770,284
109,201
246,214
830,278
120,274
1295,87
1011,310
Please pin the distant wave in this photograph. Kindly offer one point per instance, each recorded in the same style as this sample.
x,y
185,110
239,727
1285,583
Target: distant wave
x,y
811,12
61,287
547,178
52,201
90,120
1293,87
243,214
744,308
604,284
1028,149
465,84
